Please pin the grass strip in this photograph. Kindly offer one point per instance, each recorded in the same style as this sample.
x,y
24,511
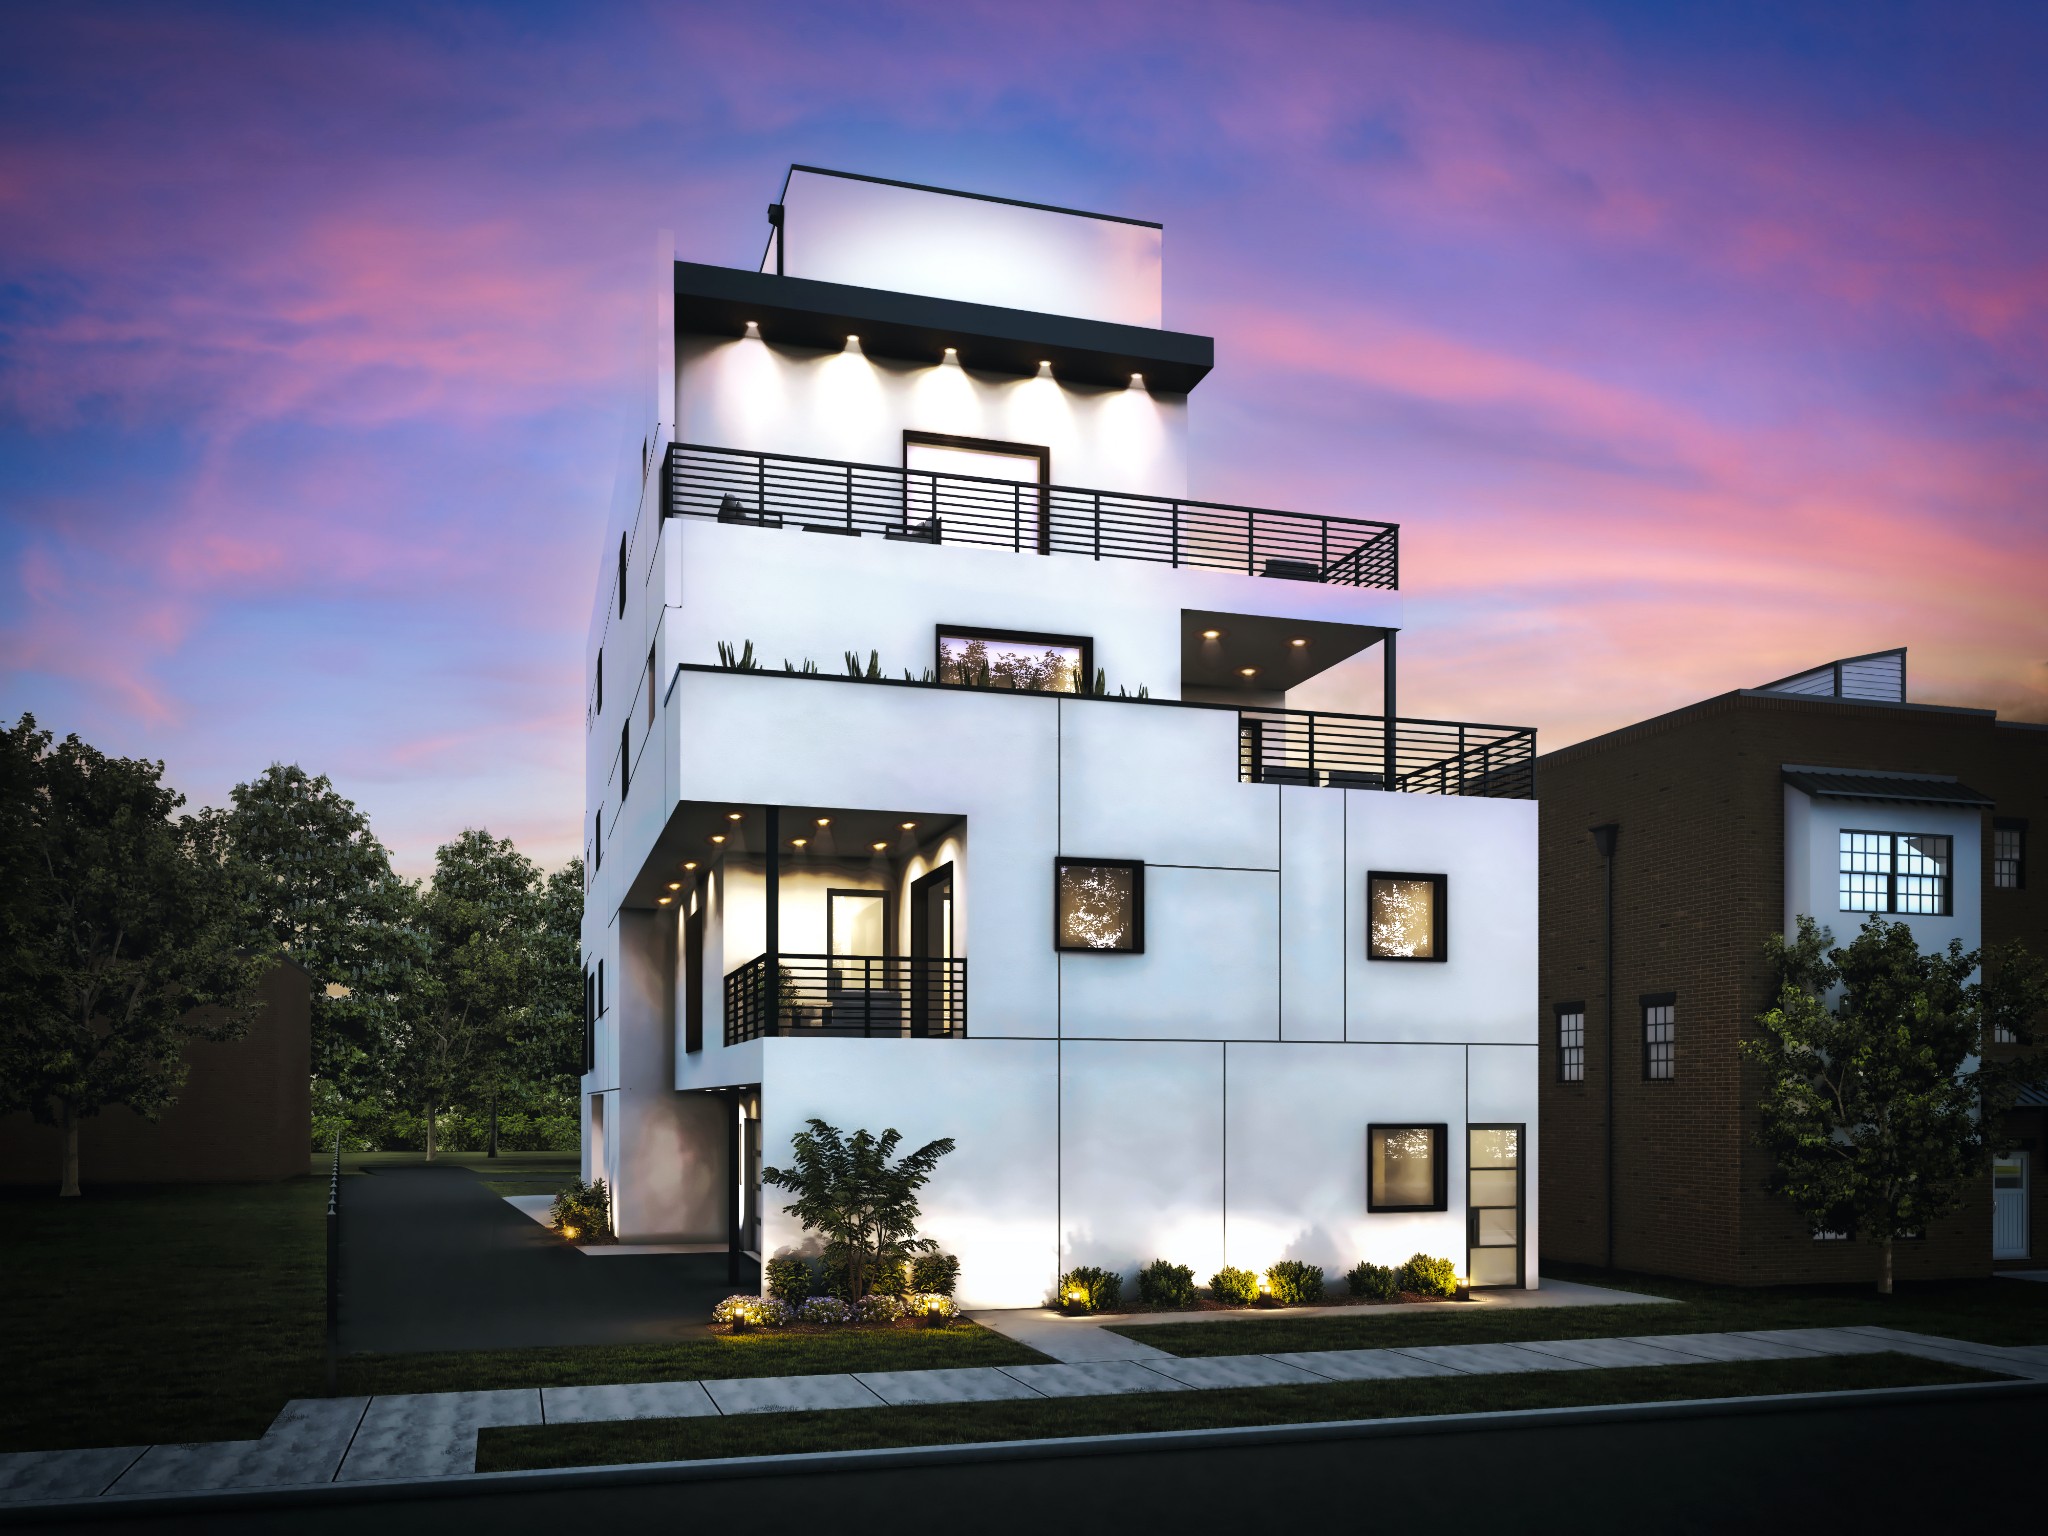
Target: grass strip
x,y
715,1358
769,1434
1988,1311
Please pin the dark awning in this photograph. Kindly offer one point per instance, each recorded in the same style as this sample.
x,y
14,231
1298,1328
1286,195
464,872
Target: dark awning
x,y
1900,788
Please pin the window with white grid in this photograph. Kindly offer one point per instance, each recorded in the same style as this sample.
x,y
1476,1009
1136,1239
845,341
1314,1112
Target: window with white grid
x,y
1571,1042
2009,856
1906,872
1660,1038
1866,871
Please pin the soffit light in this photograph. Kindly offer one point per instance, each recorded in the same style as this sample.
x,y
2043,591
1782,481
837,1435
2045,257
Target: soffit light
x,y
952,351
1297,643
1138,380
735,815
799,842
881,847
909,826
689,863
824,821
1212,634
1249,671
718,837
675,885
664,900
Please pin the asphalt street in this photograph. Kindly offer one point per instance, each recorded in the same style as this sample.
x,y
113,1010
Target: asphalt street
x,y
1860,1470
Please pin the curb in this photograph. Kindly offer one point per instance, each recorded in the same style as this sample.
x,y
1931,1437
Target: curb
x,y
816,1463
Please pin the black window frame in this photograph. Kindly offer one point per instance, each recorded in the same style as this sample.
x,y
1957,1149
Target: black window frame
x,y
1440,917
2018,826
1137,869
625,757
1560,1012
1891,906
1645,1003
1085,643
589,1021
1039,451
598,707
597,840
1440,1173
622,575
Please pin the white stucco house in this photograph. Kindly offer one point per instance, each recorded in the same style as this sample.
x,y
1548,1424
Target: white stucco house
x,y
1116,864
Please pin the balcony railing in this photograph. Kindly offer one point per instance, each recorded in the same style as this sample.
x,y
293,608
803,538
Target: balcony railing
x,y
1428,757
921,506
886,996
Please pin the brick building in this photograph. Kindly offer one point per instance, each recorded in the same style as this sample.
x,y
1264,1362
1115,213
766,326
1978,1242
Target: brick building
x,y
1825,793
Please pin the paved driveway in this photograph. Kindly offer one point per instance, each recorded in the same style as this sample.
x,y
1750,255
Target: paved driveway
x,y
431,1260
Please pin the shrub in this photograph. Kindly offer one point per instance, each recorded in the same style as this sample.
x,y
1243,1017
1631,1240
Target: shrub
x,y
1240,1287
1293,1282
824,1309
891,1277
1161,1284
934,1274
1375,1282
1431,1277
789,1278
877,1309
582,1212
930,1305
1088,1289
753,1311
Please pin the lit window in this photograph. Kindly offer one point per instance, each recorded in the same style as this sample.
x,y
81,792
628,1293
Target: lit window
x,y
1571,1042
1100,905
1405,1168
1907,872
1660,1037
2009,855
991,658
1405,916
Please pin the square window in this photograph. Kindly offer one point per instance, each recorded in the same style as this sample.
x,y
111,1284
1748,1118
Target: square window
x,y
1405,916
1406,1169
1099,905
1660,1037
1025,663
1906,872
1571,1042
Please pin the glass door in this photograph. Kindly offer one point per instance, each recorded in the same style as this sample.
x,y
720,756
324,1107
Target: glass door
x,y
2009,1235
931,946
1493,1203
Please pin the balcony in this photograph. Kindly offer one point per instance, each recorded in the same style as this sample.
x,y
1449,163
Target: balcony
x,y
892,997
921,506
1427,757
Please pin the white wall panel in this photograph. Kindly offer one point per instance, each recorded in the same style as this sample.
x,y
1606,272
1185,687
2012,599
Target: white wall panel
x,y
1313,913
1486,990
667,1149
1294,1149
994,1200
1813,863
1141,1156
1210,970
1161,785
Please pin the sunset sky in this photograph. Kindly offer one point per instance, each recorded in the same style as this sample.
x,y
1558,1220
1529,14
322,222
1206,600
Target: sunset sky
x,y
1690,345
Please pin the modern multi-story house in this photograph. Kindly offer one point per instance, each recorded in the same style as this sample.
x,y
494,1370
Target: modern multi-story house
x,y
1671,849
952,769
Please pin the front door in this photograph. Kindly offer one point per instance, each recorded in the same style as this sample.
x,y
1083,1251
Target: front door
x,y
1493,1202
931,946
2009,1236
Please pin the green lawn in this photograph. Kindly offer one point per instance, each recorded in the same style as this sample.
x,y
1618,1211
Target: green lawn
x,y
1988,1311
767,1434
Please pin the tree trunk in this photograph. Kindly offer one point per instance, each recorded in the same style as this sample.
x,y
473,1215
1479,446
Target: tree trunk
x,y
493,1152
1884,1270
430,1133
67,1124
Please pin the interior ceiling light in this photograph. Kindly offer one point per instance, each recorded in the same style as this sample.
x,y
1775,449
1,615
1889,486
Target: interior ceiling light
x,y
1297,642
1249,671
1212,634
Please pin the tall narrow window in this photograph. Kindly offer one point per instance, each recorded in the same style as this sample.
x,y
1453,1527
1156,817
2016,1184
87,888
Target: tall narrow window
x,y
625,757
1099,905
589,1020
1908,872
597,840
1405,916
649,712
2009,854
600,680
1571,1042
1406,1169
622,575
693,975
1660,1037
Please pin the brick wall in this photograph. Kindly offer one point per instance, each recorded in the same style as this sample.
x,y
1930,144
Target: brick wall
x,y
1698,885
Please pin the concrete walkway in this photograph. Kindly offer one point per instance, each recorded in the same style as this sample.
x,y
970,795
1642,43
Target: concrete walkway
x,y
428,1435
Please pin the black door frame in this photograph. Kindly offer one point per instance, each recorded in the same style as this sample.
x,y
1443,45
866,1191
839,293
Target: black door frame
x,y
1521,1130
921,991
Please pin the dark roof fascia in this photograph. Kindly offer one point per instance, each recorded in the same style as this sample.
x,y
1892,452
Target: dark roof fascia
x,y
2022,725
802,312
1724,701
979,197
1891,788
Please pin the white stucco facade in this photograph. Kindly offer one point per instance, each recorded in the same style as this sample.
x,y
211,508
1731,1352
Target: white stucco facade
x,y
1205,1099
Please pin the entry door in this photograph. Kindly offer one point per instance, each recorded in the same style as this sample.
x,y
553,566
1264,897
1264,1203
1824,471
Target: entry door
x,y
931,939
1493,1201
2009,1235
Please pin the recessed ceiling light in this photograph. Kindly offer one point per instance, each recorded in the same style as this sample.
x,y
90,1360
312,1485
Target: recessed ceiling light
x,y
664,900
735,815
689,863
952,351
1212,634
675,885
1249,671
1297,641
799,842
881,847
908,825
1138,379
824,821
718,837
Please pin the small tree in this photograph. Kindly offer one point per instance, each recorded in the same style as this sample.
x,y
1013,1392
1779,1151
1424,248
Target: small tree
x,y
1877,1107
850,1192
126,935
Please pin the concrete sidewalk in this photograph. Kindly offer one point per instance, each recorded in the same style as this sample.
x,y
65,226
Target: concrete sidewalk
x,y
429,1435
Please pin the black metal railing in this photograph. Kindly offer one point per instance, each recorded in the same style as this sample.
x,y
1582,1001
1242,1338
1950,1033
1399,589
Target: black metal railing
x,y
1428,757
922,506
890,996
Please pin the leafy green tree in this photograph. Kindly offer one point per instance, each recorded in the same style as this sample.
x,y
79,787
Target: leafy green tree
x,y
323,885
850,1192
474,930
127,935
1877,1107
